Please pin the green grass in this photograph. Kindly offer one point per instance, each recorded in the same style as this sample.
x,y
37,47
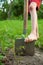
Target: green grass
x,y
9,29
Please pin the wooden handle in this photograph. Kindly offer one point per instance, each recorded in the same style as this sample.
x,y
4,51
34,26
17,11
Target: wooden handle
x,y
25,15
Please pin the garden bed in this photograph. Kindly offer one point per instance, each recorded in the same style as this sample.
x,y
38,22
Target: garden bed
x,y
37,59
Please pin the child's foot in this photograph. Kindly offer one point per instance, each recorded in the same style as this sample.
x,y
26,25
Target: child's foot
x,y
30,38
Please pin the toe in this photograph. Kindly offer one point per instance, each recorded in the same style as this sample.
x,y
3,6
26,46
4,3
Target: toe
x,y
26,40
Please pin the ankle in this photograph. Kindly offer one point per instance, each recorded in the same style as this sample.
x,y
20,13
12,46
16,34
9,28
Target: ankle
x,y
33,32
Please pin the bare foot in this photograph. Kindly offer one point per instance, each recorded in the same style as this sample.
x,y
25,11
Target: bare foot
x,y
30,38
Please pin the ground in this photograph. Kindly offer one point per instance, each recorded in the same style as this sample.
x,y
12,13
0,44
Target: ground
x,y
37,59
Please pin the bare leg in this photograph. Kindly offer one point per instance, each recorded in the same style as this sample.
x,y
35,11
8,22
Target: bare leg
x,y
34,33
37,32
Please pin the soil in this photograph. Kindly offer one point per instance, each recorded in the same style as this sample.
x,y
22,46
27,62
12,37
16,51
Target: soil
x,y
37,59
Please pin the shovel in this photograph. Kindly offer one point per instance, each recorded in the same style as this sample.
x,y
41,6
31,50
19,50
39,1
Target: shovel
x,y
22,48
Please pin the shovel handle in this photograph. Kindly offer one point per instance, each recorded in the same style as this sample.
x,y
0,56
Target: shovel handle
x,y
25,16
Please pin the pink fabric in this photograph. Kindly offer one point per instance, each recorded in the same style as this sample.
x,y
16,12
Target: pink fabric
x,y
37,1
